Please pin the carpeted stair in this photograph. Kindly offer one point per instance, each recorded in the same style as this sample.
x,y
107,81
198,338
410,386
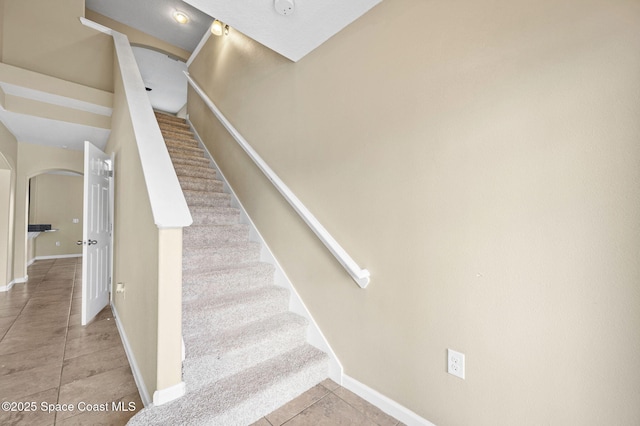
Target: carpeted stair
x,y
246,354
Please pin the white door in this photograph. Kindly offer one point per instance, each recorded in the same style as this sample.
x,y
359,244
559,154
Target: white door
x,y
96,232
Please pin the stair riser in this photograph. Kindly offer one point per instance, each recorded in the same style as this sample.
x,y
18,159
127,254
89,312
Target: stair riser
x,y
198,371
217,319
176,132
177,155
201,218
171,121
190,161
185,151
219,259
212,235
217,283
207,199
199,184
180,143
193,171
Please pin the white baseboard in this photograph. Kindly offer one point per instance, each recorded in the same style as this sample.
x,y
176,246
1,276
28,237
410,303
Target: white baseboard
x,y
169,394
56,256
296,305
30,262
384,403
21,280
137,376
8,286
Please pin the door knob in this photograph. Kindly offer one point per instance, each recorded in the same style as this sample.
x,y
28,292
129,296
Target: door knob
x,y
79,242
91,242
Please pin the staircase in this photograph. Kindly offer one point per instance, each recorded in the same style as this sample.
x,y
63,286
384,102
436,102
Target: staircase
x,y
246,354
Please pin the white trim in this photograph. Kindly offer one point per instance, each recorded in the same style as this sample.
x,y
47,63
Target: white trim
x,y
137,375
21,280
57,256
169,394
30,262
168,206
8,286
99,27
199,47
384,403
360,276
315,336
50,98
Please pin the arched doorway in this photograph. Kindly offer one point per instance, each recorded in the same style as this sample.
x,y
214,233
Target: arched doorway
x,y
55,198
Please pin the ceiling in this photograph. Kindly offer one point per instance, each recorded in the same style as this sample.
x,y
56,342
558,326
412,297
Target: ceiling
x,y
165,77
154,17
311,23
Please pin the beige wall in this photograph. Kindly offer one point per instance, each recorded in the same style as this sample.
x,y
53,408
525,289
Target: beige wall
x,y
34,160
8,161
481,160
8,148
135,243
137,37
1,26
147,260
47,37
57,200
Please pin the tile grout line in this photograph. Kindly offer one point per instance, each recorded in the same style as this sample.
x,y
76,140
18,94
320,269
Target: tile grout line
x,y
356,408
22,309
329,391
66,334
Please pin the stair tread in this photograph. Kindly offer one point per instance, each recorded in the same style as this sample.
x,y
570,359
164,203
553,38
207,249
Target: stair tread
x,y
248,334
224,354
232,300
246,396
205,250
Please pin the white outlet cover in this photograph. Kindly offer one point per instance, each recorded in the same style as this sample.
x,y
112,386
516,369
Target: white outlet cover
x,y
455,363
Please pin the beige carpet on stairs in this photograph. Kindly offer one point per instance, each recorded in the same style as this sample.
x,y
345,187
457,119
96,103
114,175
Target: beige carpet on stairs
x,y
246,354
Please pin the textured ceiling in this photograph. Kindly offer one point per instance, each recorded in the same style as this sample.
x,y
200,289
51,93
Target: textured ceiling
x,y
155,17
165,77
295,35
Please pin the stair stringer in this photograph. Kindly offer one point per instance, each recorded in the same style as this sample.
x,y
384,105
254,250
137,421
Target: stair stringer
x,y
315,337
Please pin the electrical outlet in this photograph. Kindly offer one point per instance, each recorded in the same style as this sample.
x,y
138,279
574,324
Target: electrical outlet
x,y
57,243
455,363
75,220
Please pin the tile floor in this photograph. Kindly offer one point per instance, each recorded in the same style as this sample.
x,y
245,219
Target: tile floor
x,y
328,404
47,357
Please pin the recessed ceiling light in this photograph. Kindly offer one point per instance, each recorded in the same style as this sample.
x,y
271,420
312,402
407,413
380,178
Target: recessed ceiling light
x,y
180,17
216,28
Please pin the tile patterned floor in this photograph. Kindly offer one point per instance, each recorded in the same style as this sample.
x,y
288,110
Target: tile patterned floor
x,y
328,404
46,356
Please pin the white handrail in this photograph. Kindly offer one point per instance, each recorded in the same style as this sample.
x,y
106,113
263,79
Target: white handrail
x,y
168,205
359,275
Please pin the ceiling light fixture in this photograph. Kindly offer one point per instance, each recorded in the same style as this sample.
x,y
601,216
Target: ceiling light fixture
x,y
217,28
180,17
